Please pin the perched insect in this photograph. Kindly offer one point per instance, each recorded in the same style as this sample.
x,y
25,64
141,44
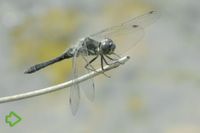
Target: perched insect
x,y
104,44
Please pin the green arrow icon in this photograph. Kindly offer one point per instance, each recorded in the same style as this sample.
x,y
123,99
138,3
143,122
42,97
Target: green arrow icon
x,y
12,119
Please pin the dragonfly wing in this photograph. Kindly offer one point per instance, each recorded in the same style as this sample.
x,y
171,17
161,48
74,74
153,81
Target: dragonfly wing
x,y
74,90
87,86
129,33
74,98
78,63
132,24
90,89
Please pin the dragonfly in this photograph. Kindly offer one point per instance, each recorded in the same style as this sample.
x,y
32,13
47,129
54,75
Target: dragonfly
x,y
107,45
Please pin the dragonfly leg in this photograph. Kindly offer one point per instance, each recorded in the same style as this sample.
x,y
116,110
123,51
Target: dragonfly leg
x,y
89,63
117,55
102,59
113,59
102,62
106,60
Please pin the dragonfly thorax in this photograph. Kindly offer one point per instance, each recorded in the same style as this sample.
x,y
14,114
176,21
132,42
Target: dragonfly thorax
x,y
107,46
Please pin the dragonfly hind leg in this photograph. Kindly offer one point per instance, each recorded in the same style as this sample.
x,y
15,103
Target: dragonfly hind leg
x,y
106,60
89,63
91,68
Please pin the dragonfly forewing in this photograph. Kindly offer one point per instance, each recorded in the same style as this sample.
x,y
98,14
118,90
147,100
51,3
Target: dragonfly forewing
x,y
87,86
127,34
79,62
74,99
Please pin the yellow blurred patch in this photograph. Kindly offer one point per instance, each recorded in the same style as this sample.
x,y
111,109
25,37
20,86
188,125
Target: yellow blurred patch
x,y
136,104
44,37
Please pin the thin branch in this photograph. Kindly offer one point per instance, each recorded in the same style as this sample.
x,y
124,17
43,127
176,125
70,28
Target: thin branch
x,y
63,85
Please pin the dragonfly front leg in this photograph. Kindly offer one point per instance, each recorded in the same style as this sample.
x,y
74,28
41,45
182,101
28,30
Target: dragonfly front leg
x,y
117,55
113,58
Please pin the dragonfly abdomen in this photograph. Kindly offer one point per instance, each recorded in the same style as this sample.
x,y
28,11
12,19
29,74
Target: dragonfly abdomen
x,y
65,55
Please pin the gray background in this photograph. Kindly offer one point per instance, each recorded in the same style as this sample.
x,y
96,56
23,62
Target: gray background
x,y
157,91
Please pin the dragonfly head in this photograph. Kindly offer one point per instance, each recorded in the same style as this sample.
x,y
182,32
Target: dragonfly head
x,y
107,46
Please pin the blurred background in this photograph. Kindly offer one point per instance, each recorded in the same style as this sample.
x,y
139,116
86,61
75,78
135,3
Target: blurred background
x,y
157,91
